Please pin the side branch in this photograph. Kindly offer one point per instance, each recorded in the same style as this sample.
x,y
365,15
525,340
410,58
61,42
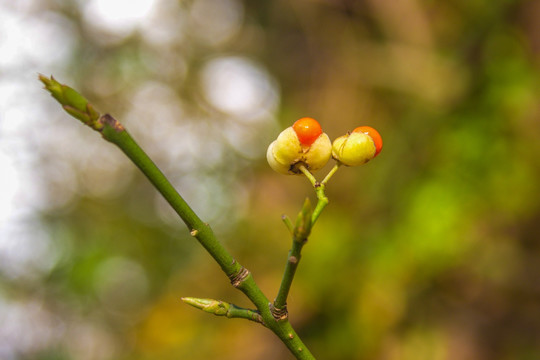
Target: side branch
x,y
111,130
279,310
221,308
300,234
241,277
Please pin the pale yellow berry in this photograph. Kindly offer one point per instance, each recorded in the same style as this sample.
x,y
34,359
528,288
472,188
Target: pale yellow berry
x,y
287,152
274,164
287,149
353,149
318,153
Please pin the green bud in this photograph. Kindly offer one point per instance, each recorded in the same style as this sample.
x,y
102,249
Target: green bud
x,y
303,224
77,114
211,306
72,102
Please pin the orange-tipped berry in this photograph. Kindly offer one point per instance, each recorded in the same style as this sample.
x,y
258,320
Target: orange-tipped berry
x,y
307,130
358,147
303,143
374,134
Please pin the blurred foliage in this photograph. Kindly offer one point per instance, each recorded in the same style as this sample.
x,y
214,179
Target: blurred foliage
x,y
428,252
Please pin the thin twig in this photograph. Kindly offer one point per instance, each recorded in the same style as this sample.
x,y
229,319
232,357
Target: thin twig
x,y
112,131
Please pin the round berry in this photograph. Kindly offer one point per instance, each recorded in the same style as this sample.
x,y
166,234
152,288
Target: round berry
x,y
353,149
307,130
373,134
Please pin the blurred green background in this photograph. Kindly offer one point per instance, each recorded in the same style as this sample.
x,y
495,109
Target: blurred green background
x,y
428,252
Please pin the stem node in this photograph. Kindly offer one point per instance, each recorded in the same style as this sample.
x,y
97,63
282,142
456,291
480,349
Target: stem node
x,y
279,313
238,278
113,131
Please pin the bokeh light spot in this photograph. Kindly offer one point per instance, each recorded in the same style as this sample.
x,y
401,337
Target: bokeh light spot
x,y
239,87
216,21
118,17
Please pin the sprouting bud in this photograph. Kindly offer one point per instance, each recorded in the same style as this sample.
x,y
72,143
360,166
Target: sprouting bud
x,y
72,102
358,147
302,143
211,306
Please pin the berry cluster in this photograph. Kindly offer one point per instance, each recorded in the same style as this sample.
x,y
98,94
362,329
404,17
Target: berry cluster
x,y
304,143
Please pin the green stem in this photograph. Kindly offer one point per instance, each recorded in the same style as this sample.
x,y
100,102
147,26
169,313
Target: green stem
x,y
280,303
300,235
240,277
112,131
322,201
331,173
308,174
242,313
299,239
320,189
287,223
280,326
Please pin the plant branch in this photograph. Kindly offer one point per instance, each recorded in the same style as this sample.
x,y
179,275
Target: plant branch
x,y
308,174
221,308
240,277
287,223
331,173
280,303
112,131
322,201
300,234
